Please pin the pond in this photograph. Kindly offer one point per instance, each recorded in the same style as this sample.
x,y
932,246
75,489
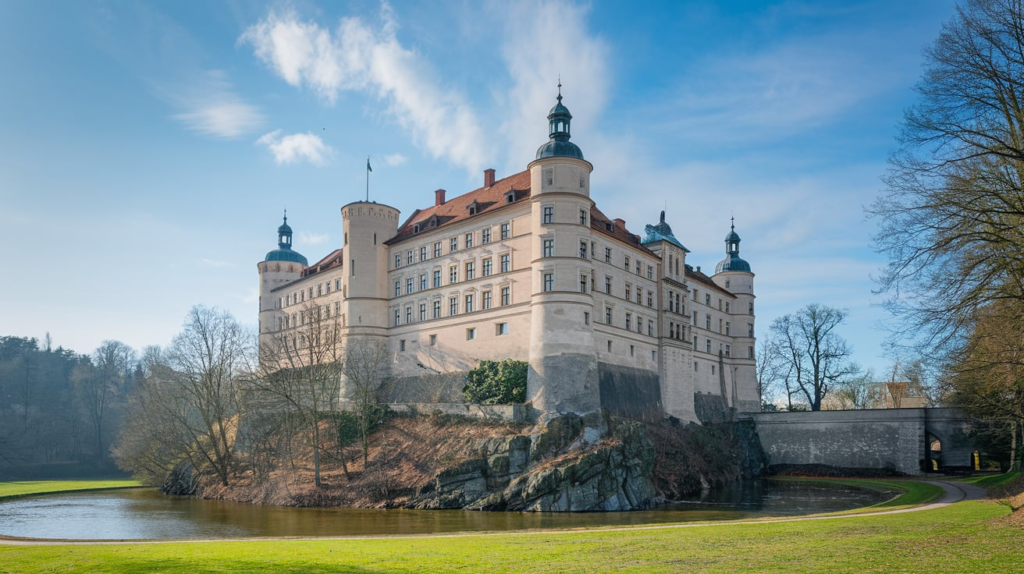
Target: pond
x,y
148,514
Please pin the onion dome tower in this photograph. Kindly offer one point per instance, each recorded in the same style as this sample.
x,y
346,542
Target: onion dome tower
x,y
732,261
280,267
563,374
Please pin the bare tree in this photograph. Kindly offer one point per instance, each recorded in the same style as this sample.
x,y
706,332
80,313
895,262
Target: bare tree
x,y
300,371
951,218
366,375
103,382
771,370
187,408
817,357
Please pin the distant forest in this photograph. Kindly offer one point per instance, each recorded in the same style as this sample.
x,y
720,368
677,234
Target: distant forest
x,y
60,410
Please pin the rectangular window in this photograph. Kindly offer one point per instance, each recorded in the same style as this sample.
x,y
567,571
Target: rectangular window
x,y
726,306
398,288
607,315
639,295
433,340
549,281
632,349
583,216
501,329
453,245
437,277
695,365
583,249
712,369
401,345
707,322
485,235
409,285
750,330
727,327
708,346
469,240
650,299
487,267
627,262
398,317
505,263
423,253
707,299
629,291
423,311
470,334
719,325
608,285
607,254
469,303
423,282
453,307
695,342
694,322
593,250
650,272
750,352
586,318
548,249
337,309
505,230
750,308
319,290
629,321
437,309
437,249
583,283
728,349
487,299
549,213
398,260
609,346
453,274
506,295
638,268
639,325
470,270
654,356
408,314
408,257
337,284
650,328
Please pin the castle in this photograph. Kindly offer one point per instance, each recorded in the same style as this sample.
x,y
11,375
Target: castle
x,y
527,267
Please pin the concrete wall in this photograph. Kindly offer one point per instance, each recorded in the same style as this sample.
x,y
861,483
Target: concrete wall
x,y
630,392
862,439
894,439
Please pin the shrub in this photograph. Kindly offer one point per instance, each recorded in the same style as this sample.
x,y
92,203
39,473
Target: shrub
x,y
497,383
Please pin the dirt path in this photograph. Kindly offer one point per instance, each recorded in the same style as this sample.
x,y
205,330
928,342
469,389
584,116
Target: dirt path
x,y
952,492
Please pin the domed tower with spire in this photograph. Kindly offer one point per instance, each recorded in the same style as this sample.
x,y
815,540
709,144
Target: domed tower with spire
x,y
280,267
563,374
734,275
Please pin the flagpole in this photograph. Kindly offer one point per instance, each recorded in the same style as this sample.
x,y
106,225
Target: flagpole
x,y
367,179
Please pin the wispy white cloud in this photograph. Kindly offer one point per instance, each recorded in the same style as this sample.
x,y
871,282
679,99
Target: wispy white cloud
x,y
541,41
394,160
210,106
356,56
295,148
312,239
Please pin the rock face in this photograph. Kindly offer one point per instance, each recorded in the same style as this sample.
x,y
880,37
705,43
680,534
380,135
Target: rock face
x,y
571,464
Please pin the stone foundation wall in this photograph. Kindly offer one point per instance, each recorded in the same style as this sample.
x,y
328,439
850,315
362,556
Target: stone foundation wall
x,y
630,393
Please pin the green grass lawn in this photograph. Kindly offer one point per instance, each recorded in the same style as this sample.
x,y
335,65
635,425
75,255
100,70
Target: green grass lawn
x,y
26,488
964,537
957,538
992,481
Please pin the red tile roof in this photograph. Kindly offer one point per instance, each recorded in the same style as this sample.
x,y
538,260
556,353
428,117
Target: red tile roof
x,y
700,277
456,209
334,259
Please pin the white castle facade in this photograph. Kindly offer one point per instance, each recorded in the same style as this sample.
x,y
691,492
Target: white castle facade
x,y
527,267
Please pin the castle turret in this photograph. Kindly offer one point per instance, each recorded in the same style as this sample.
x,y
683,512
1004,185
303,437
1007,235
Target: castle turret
x,y
563,374
280,266
733,274
367,225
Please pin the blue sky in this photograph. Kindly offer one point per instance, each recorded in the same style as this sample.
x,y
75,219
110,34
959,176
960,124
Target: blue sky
x,y
148,149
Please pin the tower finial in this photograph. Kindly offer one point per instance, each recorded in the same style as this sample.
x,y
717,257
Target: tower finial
x,y
559,88
732,221
286,215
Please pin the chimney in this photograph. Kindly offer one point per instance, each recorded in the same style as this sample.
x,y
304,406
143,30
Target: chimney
x,y
439,197
488,177
620,223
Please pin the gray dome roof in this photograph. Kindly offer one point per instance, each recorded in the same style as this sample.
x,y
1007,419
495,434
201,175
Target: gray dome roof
x,y
555,148
732,263
286,255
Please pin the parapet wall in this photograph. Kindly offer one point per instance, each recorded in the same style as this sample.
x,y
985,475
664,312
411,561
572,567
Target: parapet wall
x,y
862,439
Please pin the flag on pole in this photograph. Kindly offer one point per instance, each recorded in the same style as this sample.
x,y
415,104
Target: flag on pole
x,y
368,168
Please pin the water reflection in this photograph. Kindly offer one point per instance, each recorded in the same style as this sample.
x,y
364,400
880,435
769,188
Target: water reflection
x,y
147,514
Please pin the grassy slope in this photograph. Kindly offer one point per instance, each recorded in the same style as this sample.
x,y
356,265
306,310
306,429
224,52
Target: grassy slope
x,y
958,538
993,481
26,488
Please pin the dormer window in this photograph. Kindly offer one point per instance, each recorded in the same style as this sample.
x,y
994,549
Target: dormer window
x,y
607,226
474,208
416,228
510,196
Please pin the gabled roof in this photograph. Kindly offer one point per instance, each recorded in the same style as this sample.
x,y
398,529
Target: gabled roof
x,y
456,209
703,279
603,224
334,259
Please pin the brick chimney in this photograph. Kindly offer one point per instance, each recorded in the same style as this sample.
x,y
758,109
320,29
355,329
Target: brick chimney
x,y
620,223
439,197
488,177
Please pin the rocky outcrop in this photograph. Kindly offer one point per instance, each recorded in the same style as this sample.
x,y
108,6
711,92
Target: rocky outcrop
x,y
569,464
